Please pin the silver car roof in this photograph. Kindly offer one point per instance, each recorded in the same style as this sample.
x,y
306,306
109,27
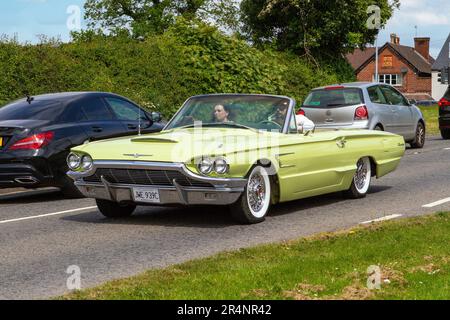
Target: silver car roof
x,y
360,85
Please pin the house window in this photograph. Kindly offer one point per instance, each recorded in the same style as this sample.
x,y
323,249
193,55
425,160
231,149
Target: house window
x,y
392,79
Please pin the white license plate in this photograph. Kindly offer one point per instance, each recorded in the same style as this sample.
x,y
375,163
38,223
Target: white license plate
x,y
146,195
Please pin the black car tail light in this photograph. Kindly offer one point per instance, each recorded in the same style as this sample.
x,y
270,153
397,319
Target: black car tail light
x,y
34,142
444,103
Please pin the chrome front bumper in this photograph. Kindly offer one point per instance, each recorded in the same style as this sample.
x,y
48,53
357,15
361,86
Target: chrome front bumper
x,y
222,191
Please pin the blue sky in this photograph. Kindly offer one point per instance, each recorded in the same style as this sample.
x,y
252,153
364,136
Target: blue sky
x,y
28,18
432,18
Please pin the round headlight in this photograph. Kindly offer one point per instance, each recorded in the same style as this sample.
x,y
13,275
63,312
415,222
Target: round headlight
x,y
221,166
205,166
86,163
73,161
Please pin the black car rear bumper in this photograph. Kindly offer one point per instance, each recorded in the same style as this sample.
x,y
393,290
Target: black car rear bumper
x,y
26,174
444,122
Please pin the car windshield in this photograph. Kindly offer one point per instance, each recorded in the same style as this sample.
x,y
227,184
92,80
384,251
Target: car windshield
x,y
333,98
36,110
234,111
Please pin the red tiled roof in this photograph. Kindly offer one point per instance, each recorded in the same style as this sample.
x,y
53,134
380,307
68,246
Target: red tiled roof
x,y
413,57
359,57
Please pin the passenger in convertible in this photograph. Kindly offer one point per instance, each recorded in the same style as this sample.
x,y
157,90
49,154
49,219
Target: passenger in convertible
x,y
303,123
222,113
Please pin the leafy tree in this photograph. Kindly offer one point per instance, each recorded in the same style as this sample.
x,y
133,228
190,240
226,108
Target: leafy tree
x,y
143,17
313,27
159,72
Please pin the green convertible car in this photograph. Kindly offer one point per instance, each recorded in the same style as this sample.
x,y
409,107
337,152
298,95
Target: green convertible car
x,y
241,151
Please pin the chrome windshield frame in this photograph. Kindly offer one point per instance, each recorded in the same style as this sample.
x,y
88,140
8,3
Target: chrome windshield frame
x,y
285,128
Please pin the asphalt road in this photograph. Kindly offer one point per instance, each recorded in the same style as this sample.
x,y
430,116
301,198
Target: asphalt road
x,y
37,248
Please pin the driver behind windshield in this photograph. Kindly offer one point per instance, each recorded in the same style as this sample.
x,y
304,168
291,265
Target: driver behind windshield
x,y
234,110
280,113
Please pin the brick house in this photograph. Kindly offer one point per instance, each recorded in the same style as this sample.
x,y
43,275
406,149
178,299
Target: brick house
x,y
406,68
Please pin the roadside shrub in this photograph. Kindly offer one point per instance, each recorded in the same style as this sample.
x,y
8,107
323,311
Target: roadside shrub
x,y
160,72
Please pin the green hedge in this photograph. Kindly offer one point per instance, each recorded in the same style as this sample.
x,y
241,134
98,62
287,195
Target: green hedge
x,y
161,71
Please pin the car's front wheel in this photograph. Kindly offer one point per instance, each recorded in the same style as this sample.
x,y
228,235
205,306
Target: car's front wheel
x,y
112,209
445,133
253,206
361,180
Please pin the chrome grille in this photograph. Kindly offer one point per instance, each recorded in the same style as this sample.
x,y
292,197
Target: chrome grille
x,y
145,177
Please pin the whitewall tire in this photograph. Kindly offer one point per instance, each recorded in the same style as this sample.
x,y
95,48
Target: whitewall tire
x,y
253,206
361,180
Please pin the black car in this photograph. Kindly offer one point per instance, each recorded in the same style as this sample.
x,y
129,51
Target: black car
x,y
444,115
36,134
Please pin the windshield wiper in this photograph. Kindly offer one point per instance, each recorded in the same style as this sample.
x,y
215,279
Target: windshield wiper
x,y
341,104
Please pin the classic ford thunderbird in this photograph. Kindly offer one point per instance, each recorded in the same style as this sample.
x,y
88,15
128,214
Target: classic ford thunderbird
x,y
241,151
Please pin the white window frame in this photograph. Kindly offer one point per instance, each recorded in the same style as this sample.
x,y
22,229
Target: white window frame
x,y
388,79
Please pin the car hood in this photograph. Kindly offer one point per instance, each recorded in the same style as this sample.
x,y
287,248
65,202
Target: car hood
x,y
181,145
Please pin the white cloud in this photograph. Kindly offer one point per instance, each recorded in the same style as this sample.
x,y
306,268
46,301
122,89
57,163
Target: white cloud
x,y
422,13
412,3
432,18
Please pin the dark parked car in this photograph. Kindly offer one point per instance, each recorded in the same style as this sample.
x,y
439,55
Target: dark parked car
x,y
36,134
444,115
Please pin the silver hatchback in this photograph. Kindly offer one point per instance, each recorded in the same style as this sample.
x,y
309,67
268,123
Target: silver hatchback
x,y
364,105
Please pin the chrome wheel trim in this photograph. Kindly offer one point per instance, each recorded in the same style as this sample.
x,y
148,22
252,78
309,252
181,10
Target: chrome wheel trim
x,y
363,175
258,192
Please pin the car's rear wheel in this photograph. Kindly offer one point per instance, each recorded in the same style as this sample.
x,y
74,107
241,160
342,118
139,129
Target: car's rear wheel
x,y
112,209
419,140
253,206
361,180
445,133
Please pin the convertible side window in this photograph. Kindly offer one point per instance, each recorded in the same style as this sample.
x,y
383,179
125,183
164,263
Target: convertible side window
x,y
293,125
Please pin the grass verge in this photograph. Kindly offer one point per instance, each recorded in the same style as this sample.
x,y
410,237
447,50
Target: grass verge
x,y
431,115
413,255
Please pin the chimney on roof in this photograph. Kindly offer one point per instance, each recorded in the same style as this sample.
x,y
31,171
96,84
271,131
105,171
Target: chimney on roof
x,y
395,39
422,46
